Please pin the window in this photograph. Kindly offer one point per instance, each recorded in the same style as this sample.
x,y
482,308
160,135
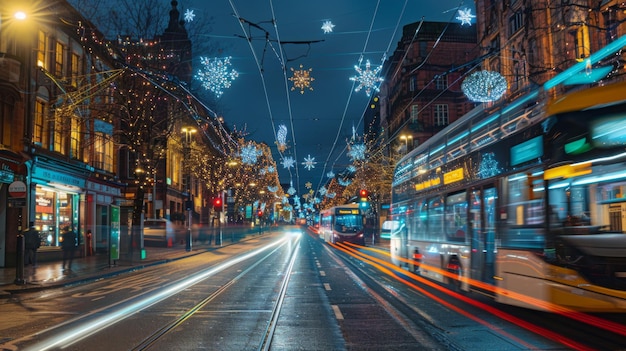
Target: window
x,y
7,103
440,115
412,83
75,69
581,42
59,136
58,59
442,82
516,22
456,217
40,120
76,149
414,113
103,151
435,219
42,50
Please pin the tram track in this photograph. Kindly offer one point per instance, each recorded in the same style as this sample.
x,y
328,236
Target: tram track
x,y
265,341
81,330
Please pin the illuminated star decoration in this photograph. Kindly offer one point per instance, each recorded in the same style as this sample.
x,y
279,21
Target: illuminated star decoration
x,y
281,138
357,152
189,15
327,27
330,174
367,78
308,185
249,154
288,162
484,86
301,79
465,16
309,162
215,75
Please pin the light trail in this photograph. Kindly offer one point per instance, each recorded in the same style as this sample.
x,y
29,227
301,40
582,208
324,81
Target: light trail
x,y
78,333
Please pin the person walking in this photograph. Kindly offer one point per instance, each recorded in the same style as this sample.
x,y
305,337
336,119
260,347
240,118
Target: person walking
x,y
32,242
68,244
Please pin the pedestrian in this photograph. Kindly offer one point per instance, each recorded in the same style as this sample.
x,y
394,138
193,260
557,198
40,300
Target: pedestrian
x,y
32,242
68,244
89,243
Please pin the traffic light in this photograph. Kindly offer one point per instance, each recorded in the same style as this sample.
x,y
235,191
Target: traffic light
x,y
259,213
363,194
364,199
217,204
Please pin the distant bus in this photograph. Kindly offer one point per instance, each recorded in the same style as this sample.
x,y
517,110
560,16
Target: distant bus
x,y
342,223
529,198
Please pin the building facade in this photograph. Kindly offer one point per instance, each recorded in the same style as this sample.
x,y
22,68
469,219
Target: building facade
x,y
421,93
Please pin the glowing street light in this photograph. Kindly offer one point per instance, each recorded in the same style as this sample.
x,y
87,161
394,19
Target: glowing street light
x,y
189,131
406,139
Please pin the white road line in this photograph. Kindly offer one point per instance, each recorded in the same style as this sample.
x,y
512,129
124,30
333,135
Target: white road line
x,y
327,287
322,273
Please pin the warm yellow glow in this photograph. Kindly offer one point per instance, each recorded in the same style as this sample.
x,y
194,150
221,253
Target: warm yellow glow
x,y
20,15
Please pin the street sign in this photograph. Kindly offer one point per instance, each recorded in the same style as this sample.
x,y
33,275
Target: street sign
x,y
17,189
17,202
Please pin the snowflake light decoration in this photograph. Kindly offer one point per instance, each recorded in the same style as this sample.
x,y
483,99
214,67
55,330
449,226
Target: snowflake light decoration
x,y
288,162
323,191
272,189
296,200
309,162
331,195
344,182
291,190
271,169
215,75
281,138
484,86
189,15
249,154
367,78
465,16
351,169
330,174
301,79
327,27
357,152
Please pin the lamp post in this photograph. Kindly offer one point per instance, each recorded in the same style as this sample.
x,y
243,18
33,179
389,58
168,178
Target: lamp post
x,y
406,139
188,204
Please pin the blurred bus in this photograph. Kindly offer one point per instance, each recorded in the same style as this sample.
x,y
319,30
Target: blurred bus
x,y
526,202
342,223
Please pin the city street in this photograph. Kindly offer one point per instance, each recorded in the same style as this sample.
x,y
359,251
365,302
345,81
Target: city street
x,y
283,290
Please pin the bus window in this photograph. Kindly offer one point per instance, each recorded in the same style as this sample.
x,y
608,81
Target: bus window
x,y
456,217
525,211
417,221
435,219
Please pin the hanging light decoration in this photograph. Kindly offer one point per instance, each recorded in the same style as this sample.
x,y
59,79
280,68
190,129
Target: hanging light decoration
x,y
484,86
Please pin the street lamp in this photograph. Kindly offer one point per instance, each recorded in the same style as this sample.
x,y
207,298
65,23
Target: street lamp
x,y
188,204
406,139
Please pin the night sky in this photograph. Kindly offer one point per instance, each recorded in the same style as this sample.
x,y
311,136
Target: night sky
x,y
319,122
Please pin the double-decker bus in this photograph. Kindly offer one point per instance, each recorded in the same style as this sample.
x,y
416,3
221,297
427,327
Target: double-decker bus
x,y
528,200
342,223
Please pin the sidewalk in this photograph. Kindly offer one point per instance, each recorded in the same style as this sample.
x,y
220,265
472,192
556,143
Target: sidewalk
x,y
50,274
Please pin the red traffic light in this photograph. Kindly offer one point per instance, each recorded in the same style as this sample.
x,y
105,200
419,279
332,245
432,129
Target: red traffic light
x,y
363,193
217,204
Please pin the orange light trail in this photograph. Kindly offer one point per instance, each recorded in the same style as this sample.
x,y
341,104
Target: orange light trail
x,y
382,266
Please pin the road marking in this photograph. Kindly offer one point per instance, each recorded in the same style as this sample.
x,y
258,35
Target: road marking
x,y
98,298
322,273
338,313
327,287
